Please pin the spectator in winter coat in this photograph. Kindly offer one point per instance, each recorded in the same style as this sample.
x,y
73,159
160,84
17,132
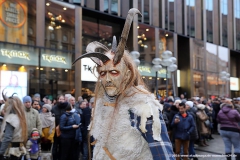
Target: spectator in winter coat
x,y
194,134
228,118
183,122
69,123
48,127
166,114
85,113
32,116
203,130
57,111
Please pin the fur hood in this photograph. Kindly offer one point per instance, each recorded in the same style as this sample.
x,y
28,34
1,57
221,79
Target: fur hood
x,y
201,106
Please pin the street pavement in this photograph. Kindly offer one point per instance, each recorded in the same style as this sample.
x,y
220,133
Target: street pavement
x,y
215,150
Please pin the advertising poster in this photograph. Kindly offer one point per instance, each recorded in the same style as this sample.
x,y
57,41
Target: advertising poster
x,y
13,82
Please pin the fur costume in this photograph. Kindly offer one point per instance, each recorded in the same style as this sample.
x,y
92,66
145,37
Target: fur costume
x,y
120,91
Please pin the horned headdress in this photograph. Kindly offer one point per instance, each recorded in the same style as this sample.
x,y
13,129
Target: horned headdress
x,y
117,50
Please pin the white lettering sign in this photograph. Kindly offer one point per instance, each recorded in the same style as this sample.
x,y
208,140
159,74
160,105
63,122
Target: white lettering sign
x,y
88,70
14,53
55,58
12,13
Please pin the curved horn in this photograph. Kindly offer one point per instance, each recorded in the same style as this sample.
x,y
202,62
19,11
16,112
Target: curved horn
x,y
95,56
124,36
114,44
91,47
4,96
14,94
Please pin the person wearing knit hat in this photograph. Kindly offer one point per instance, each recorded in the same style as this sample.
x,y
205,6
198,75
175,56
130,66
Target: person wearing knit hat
x,y
202,122
32,116
189,103
33,145
48,127
48,107
27,99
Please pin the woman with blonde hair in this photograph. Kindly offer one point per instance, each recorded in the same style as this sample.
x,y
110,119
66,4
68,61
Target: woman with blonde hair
x,y
13,133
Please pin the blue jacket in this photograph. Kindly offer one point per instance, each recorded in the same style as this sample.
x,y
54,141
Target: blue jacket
x,y
184,128
67,131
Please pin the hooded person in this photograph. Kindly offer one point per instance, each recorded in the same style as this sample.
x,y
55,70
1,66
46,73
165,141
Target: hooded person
x,y
13,133
33,145
48,127
121,92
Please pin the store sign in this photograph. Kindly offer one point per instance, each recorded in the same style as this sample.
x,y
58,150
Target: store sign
x,y
88,70
146,71
17,57
13,13
58,60
234,84
14,53
54,58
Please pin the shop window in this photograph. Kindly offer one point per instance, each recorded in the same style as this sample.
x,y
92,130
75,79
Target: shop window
x,y
59,22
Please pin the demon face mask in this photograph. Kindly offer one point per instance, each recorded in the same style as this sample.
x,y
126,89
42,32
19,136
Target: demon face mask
x,y
113,71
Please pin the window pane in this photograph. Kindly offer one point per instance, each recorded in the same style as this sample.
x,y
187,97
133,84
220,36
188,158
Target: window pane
x,y
166,14
224,11
60,20
237,21
199,83
223,65
114,7
198,55
106,5
211,57
190,17
212,84
166,41
146,11
171,15
209,20
140,9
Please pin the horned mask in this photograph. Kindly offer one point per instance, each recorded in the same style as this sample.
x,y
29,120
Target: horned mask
x,y
113,72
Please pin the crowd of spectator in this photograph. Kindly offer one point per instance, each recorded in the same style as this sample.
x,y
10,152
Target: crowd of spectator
x,y
192,122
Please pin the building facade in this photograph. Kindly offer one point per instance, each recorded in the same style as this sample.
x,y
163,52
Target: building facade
x,y
40,40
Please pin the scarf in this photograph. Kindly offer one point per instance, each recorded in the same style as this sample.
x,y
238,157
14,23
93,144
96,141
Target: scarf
x,y
184,115
34,147
47,121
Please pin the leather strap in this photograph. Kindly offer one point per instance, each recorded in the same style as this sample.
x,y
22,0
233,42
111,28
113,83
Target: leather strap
x,y
108,153
110,104
94,142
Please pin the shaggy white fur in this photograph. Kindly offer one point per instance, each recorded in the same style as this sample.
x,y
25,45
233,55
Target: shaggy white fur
x,y
112,129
